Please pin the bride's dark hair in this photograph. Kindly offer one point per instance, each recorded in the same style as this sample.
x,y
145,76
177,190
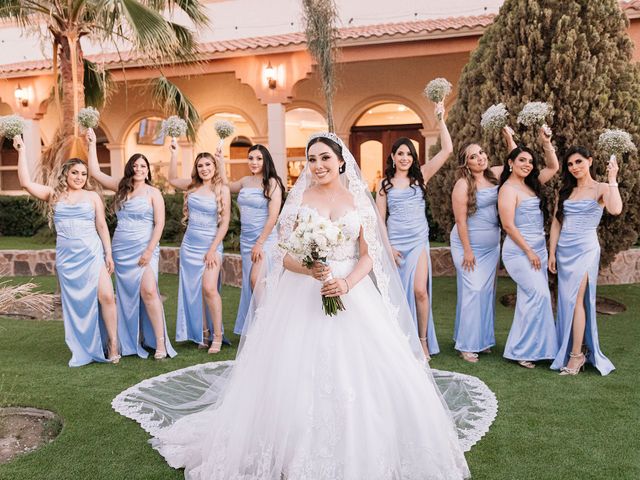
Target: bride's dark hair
x,y
335,148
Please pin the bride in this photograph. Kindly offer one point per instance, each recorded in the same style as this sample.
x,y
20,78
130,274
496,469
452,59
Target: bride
x,y
311,396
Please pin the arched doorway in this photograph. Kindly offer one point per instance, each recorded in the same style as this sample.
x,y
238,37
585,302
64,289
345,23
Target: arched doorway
x,y
376,130
104,158
300,123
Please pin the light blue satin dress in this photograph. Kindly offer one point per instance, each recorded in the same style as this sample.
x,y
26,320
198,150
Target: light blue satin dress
x,y
577,255
79,260
201,230
254,211
408,232
533,333
476,299
130,240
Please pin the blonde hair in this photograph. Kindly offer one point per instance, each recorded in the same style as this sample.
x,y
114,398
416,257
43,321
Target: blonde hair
x,y
464,172
58,182
196,182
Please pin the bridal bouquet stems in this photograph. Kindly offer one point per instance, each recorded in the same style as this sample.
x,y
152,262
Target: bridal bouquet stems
x,y
174,126
494,118
615,142
224,129
88,117
312,240
11,126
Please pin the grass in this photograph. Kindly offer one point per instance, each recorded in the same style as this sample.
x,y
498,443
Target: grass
x,y
548,427
39,242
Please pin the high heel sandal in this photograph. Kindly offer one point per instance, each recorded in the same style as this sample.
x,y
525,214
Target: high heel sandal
x,y
425,348
114,357
574,371
526,364
470,357
216,345
160,354
205,340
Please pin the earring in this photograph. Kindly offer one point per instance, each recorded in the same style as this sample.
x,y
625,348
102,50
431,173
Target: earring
x,y
393,162
510,168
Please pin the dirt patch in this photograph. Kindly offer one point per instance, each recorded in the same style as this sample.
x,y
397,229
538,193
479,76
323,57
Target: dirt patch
x,y
604,305
23,430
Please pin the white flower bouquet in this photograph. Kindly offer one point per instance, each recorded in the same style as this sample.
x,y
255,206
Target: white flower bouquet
x,y
494,118
535,114
11,126
436,90
615,142
174,126
312,240
224,129
88,117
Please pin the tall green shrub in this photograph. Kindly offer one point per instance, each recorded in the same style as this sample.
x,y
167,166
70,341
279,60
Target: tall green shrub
x,y
574,54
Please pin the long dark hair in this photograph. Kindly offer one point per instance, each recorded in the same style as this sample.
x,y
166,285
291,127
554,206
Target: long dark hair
x,y
414,173
569,182
532,181
334,146
125,187
464,172
268,170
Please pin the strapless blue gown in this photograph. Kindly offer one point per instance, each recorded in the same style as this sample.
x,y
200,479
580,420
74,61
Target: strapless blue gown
x,y
533,333
79,260
254,211
201,230
476,300
130,240
577,255
408,232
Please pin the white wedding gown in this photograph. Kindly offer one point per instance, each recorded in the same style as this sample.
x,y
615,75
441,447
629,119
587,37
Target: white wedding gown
x,y
313,397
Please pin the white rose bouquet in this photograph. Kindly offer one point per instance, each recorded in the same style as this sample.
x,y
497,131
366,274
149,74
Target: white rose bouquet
x,y
312,240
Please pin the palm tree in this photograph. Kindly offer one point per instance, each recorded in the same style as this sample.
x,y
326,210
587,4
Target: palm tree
x,y
144,27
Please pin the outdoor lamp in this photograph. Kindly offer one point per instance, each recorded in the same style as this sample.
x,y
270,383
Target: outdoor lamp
x,y
21,96
270,74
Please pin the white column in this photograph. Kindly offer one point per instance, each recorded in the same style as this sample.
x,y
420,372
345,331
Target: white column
x,y
277,138
33,145
116,157
186,161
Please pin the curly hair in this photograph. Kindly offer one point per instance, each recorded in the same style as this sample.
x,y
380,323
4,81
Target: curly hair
x,y
196,182
60,186
125,187
415,174
464,172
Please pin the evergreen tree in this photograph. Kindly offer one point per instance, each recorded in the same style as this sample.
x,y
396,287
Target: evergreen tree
x,y
575,55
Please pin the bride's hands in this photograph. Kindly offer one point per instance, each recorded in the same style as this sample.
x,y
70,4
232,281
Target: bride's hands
x,y
335,287
320,271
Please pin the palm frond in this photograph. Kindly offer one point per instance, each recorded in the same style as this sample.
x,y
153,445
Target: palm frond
x,y
22,298
98,85
169,97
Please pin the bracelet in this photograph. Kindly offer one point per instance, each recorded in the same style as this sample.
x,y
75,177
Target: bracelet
x,y
615,185
348,287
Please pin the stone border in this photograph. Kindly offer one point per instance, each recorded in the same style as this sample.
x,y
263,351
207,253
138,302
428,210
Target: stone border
x,y
625,268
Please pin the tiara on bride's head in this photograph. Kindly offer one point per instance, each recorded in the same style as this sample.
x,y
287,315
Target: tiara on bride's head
x,y
329,135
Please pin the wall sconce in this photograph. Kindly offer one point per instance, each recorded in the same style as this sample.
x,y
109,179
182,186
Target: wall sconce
x,y
22,97
270,74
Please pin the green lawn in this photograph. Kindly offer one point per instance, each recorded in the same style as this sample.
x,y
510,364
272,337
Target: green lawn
x,y
548,427
42,242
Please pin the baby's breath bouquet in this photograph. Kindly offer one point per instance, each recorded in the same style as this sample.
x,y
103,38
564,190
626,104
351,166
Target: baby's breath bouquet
x,y
88,117
224,129
174,126
494,118
313,239
535,114
615,143
436,90
11,126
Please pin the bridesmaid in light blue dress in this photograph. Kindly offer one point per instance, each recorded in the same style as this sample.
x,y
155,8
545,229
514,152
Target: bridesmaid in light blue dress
x,y
140,211
207,209
401,201
520,202
83,260
475,249
260,199
574,254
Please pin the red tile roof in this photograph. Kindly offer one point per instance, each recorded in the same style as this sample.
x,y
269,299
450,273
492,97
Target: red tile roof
x,y
398,30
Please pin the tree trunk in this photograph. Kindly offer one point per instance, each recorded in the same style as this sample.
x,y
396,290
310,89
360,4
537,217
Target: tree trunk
x,y
66,75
